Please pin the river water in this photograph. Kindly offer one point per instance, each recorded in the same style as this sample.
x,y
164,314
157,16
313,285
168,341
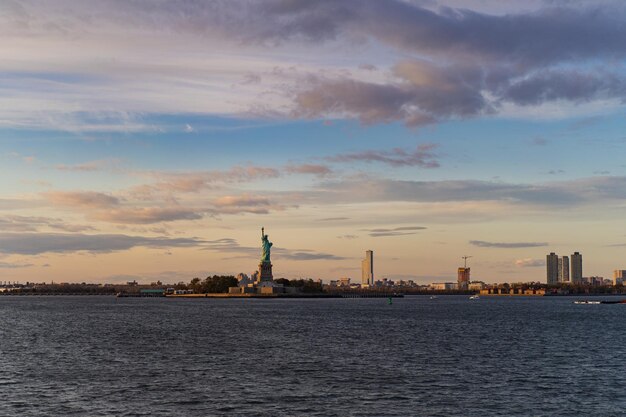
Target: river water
x,y
102,356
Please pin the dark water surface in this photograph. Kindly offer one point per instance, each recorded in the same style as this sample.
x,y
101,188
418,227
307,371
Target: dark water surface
x,y
102,356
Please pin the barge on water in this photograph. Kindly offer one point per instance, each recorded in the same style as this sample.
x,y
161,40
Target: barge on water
x,y
600,302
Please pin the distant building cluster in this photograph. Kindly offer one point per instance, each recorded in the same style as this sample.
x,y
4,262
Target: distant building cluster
x,y
345,283
619,277
559,270
8,286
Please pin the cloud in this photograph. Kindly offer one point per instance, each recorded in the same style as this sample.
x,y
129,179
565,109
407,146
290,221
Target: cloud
x,y
573,86
320,170
97,165
398,231
88,199
147,215
14,223
348,237
107,208
308,256
229,245
37,243
545,35
332,219
372,190
423,156
445,61
507,245
10,265
530,263
194,182
570,193
245,203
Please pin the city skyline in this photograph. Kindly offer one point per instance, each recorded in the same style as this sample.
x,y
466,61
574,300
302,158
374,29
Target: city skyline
x,y
150,141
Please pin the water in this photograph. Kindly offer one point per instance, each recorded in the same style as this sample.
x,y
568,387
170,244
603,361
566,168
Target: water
x,y
101,356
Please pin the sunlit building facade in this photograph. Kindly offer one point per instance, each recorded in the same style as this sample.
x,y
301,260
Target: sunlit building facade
x,y
367,268
619,276
552,267
463,278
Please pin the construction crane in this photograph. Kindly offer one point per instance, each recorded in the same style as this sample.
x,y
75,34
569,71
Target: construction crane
x,y
465,258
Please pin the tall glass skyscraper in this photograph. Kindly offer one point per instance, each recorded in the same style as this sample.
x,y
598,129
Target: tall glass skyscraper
x,y
367,268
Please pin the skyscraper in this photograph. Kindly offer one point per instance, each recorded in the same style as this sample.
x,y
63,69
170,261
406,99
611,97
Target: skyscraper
x,y
552,267
563,269
619,276
463,278
367,268
577,268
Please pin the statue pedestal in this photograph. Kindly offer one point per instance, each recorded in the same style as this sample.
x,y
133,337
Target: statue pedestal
x,y
265,272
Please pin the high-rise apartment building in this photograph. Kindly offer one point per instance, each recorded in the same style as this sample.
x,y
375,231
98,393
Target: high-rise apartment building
x,y
577,268
367,268
563,265
619,276
552,268
463,278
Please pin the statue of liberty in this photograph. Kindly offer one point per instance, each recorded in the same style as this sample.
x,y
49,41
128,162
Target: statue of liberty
x,y
266,245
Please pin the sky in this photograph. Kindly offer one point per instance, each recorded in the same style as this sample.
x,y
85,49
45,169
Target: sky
x,y
152,139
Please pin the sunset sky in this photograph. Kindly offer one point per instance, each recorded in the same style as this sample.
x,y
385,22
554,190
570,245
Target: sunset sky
x,y
152,139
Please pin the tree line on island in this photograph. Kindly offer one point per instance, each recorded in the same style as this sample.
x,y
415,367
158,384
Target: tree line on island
x,y
221,283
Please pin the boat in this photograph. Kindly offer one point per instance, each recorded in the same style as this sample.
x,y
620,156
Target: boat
x,y
600,302
433,297
474,297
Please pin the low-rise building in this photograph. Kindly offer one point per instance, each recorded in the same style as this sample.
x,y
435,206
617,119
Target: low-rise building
x,y
442,286
476,285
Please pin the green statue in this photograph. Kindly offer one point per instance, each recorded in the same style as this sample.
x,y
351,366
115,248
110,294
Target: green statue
x,y
266,245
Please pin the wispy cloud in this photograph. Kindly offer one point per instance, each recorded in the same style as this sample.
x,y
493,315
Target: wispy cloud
x,y
37,243
530,263
231,246
571,193
423,156
397,231
15,223
147,215
90,199
348,237
97,165
194,182
507,245
245,203
309,256
12,265
312,169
